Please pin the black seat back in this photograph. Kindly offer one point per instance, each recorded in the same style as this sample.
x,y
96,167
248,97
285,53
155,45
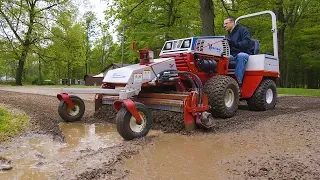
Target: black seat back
x,y
255,47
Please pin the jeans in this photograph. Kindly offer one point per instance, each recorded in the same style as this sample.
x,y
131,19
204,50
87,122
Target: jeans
x,y
241,59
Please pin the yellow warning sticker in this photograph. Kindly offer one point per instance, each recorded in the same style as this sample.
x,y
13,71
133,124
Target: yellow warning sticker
x,y
137,78
147,74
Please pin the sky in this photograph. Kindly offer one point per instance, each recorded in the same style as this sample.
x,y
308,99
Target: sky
x,y
96,6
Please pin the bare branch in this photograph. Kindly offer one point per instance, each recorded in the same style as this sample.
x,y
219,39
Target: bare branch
x,y
10,25
135,7
19,16
289,14
225,7
10,40
302,10
41,55
48,7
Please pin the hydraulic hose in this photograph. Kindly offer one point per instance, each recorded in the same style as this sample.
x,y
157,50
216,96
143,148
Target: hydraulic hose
x,y
187,74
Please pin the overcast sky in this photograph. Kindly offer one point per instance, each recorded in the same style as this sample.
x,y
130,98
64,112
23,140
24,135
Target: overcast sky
x,y
96,6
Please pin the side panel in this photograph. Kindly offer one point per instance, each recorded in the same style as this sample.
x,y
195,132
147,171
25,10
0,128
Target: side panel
x,y
250,84
258,66
262,62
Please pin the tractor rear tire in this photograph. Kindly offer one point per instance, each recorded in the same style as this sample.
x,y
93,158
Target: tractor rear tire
x,y
264,98
126,123
223,96
71,115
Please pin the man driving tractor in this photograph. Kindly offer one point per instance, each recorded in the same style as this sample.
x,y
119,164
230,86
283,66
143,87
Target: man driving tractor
x,y
240,45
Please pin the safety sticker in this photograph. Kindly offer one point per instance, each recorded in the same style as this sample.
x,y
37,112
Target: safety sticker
x,y
147,74
137,78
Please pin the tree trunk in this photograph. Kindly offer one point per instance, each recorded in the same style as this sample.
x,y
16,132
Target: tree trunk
x,y
86,68
20,71
281,18
26,45
68,66
207,17
21,59
282,57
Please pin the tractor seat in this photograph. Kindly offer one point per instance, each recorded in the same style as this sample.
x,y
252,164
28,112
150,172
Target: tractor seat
x,y
255,47
254,50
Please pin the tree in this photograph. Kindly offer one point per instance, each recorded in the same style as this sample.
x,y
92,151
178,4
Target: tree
x,y
67,47
21,20
207,17
154,22
288,12
90,27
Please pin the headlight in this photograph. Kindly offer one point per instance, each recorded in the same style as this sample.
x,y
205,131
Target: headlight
x,y
168,46
186,43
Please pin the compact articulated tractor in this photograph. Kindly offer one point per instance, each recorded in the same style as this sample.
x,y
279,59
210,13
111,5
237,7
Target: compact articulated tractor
x,y
193,76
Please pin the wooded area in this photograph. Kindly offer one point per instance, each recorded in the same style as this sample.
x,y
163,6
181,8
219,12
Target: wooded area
x,y
47,40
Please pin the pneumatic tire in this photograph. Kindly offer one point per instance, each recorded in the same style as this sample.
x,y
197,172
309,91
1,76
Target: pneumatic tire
x,y
223,96
265,96
126,123
71,115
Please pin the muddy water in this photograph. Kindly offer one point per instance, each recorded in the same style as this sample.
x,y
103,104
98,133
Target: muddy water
x,y
182,157
204,156
39,157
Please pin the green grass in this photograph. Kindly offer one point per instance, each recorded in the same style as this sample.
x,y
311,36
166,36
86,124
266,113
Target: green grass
x,y
299,91
11,124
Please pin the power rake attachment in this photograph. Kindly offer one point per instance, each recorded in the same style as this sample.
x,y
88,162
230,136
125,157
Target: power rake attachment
x,y
134,90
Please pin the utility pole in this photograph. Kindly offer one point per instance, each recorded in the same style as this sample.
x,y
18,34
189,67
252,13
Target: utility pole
x,y
122,45
40,78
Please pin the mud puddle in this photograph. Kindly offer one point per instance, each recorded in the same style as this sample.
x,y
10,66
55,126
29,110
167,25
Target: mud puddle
x,y
202,156
174,156
40,157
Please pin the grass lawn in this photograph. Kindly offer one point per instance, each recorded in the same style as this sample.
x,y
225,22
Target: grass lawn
x,y
299,91
11,123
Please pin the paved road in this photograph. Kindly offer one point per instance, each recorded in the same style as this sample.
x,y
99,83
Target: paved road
x,y
50,91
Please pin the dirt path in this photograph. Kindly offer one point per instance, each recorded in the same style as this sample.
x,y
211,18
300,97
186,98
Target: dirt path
x,y
279,144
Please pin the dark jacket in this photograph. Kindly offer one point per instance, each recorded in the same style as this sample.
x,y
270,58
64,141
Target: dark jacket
x,y
241,38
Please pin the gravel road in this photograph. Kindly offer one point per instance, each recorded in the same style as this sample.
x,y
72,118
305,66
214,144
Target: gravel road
x,y
284,142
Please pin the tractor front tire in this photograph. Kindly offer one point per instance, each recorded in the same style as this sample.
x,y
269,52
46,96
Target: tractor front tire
x,y
127,126
264,98
223,96
71,115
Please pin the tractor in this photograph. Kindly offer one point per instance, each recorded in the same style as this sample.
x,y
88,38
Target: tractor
x,y
192,76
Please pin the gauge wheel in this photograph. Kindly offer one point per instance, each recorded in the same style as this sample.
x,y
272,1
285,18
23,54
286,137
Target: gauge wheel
x,y
127,126
69,114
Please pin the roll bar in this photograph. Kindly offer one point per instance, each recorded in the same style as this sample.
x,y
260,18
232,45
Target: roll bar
x,y
273,30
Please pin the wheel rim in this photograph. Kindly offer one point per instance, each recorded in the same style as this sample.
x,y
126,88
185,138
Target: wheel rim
x,y
136,127
269,96
73,111
229,98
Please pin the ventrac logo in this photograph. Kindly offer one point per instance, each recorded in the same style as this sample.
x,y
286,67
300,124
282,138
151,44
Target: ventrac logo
x,y
212,47
115,75
171,66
